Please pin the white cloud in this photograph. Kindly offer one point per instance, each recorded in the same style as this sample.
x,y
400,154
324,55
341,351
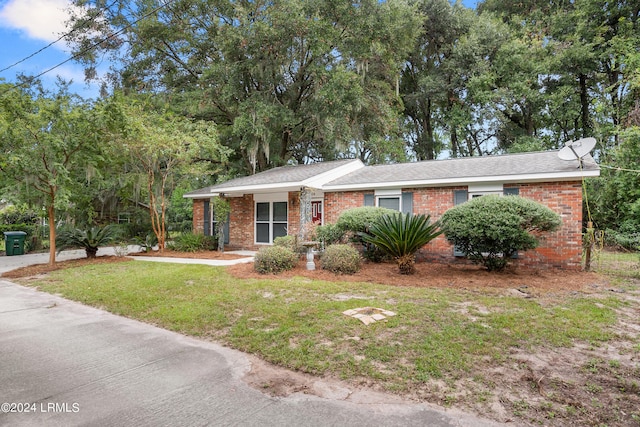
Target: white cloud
x,y
39,19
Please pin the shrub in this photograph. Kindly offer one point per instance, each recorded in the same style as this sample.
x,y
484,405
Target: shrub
x,y
90,239
274,259
341,259
358,220
329,234
353,222
192,242
491,229
401,236
148,243
622,240
290,242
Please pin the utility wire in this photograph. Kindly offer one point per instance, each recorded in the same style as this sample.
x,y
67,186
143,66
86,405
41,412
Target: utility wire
x,y
58,39
93,46
619,168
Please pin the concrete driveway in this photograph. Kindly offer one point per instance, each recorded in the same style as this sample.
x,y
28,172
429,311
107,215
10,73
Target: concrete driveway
x,y
63,364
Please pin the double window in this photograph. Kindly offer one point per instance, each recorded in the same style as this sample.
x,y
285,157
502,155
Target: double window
x,y
271,221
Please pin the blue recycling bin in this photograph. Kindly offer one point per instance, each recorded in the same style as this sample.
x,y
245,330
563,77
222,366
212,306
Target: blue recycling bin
x,y
14,242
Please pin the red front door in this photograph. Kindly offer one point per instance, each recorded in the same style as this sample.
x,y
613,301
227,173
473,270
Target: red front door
x,y
316,212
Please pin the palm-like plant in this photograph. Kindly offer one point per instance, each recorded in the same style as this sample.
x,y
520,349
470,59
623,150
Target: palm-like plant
x,y
90,239
401,236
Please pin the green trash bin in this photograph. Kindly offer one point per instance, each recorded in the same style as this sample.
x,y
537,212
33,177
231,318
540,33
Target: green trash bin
x,y
14,242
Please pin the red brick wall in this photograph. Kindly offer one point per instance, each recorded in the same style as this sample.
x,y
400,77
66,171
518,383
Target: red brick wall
x,y
198,215
241,225
562,249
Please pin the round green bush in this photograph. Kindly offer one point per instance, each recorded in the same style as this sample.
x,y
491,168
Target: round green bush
x,y
290,242
491,229
275,259
341,259
358,220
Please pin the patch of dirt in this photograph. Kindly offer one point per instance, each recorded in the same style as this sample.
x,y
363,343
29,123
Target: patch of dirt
x,y
525,283
39,269
168,253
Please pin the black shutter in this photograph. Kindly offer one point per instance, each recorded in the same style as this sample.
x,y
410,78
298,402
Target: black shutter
x,y
407,203
511,191
207,219
459,197
369,200
226,229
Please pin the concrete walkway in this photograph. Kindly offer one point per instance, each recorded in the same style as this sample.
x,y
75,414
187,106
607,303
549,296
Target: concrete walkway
x,y
8,263
66,364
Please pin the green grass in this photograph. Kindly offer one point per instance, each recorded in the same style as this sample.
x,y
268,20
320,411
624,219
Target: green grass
x,y
617,264
298,323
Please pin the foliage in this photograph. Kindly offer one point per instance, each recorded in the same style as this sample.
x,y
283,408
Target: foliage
x,y
359,220
90,239
18,215
290,242
148,243
623,239
158,146
615,196
353,222
401,236
192,242
281,79
329,234
275,259
180,209
491,229
341,259
45,141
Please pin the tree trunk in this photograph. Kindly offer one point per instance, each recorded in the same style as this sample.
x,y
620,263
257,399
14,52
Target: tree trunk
x,y
52,232
584,106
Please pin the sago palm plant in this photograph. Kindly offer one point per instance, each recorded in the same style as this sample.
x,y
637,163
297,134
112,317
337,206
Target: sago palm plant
x,y
90,239
401,236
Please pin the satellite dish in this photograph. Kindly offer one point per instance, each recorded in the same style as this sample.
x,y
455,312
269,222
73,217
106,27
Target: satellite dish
x,y
576,150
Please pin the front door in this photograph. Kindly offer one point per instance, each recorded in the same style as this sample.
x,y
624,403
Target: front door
x,y
316,212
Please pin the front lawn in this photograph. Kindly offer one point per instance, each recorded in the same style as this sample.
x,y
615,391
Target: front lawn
x,y
461,347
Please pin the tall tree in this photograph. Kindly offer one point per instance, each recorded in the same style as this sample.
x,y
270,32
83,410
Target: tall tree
x,y
159,146
282,80
44,140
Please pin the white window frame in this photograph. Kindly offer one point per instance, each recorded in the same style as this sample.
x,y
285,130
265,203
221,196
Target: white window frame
x,y
270,199
484,190
389,194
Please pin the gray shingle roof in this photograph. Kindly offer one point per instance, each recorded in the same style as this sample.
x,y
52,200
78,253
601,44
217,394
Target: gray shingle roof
x,y
537,166
539,163
291,174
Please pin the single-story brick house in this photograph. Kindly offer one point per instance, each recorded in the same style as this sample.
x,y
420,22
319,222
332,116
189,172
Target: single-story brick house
x,y
275,202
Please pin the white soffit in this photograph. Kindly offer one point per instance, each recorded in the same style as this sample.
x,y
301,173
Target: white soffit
x,y
557,176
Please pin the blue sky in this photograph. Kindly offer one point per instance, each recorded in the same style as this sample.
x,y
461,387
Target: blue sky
x,y
27,26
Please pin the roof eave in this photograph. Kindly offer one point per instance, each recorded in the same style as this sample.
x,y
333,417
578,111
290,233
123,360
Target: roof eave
x,y
448,182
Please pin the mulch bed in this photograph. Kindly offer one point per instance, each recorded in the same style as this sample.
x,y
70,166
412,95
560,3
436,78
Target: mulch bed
x,y
441,276
427,274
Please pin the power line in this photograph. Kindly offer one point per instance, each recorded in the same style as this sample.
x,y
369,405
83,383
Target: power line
x,y
619,168
90,48
58,39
